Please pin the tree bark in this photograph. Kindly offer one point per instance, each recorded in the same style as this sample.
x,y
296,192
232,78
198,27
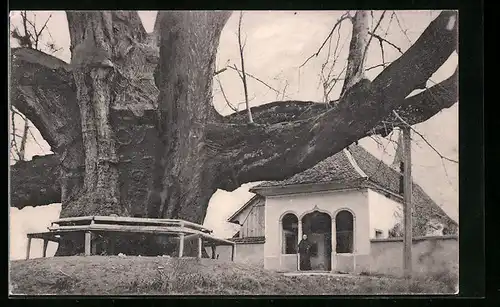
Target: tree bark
x,y
43,88
188,47
139,139
112,65
357,50
35,182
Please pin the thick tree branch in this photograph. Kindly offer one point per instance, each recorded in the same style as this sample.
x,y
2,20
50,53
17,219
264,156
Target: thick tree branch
x,y
273,152
414,109
42,88
35,182
421,107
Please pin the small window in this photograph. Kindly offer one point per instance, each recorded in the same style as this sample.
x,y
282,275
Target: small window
x,y
378,233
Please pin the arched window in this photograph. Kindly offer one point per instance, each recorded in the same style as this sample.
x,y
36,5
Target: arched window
x,y
289,234
345,231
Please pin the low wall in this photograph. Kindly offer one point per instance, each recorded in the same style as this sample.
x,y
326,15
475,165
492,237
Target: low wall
x,y
429,254
248,253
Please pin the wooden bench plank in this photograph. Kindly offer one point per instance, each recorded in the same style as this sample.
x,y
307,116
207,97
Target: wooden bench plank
x,y
127,228
151,221
134,220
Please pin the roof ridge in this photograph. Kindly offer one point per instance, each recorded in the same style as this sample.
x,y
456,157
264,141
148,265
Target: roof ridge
x,y
353,162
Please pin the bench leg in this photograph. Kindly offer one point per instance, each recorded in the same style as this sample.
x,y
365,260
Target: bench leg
x,y
112,243
28,248
88,240
181,245
200,246
214,247
94,247
233,249
45,244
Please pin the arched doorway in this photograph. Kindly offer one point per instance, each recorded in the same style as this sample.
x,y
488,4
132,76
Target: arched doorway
x,y
318,228
344,229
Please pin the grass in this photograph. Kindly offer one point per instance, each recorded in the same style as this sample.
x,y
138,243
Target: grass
x,y
112,275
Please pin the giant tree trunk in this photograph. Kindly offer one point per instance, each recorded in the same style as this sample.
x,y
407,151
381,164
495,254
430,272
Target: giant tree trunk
x,y
134,133
144,157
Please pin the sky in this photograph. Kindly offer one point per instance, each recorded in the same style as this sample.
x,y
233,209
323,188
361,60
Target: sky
x,y
277,43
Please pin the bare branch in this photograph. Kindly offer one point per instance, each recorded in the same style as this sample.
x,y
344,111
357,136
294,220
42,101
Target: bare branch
x,y
35,139
255,78
342,18
13,110
220,71
44,25
243,75
401,27
13,143
381,39
423,138
224,95
384,64
284,91
370,39
24,138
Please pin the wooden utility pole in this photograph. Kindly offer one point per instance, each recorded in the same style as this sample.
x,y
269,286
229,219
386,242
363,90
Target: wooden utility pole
x,y
408,206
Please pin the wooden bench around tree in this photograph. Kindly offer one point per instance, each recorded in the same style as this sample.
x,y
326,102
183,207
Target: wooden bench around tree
x,y
91,225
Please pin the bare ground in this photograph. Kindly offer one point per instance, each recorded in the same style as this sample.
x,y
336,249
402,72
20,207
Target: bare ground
x,y
113,275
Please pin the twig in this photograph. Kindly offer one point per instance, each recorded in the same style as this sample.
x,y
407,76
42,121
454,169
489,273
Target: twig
x,y
342,18
382,53
423,138
326,81
284,90
34,138
220,71
400,27
12,109
370,39
336,80
22,149
378,65
384,152
243,75
255,78
225,97
380,38
13,142
447,176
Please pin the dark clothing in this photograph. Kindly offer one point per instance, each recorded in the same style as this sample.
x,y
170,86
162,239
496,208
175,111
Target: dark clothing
x,y
305,255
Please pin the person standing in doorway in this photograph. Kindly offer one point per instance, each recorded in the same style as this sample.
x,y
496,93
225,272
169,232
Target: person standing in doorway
x,y
305,253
